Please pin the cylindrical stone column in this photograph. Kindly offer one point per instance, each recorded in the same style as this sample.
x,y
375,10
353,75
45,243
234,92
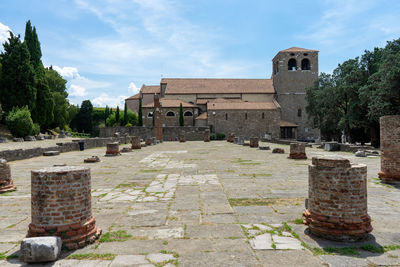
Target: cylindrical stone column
x,y
148,142
61,202
182,138
206,136
253,141
297,151
6,183
390,149
337,199
113,149
135,142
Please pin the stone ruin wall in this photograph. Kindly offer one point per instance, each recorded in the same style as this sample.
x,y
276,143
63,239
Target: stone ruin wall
x,y
390,149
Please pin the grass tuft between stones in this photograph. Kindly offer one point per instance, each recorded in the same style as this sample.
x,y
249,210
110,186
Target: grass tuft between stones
x,y
118,236
92,256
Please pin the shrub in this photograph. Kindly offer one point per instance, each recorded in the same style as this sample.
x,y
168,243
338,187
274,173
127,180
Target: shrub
x,y
20,123
112,120
212,136
35,129
128,125
220,136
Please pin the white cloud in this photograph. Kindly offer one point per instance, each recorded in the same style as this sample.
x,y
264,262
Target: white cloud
x,y
112,101
76,90
67,72
134,89
4,33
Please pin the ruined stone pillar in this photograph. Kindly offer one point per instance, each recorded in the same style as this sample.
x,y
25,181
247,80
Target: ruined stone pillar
x,y
135,142
207,136
113,149
253,141
158,118
390,149
297,151
337,199
6,183
148,142
62,205
182,138
230,138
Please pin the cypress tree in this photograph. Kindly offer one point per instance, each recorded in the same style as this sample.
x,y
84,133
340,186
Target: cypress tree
x,y
181,119
106,111
125,114
140,122
117,115
43,113
17,85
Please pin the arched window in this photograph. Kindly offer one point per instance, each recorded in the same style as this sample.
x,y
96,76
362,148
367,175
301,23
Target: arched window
x,y
170,114
191,102
150,114
305,64
262,116
292,64
226,116
188,114
299,112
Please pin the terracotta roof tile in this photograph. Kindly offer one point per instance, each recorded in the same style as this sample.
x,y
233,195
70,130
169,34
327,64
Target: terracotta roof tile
x,y
287,124
137,96
298,49
202,116
171,103
243,106
218,86
150,89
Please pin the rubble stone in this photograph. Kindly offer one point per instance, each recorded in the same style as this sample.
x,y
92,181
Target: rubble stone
x,y
40,249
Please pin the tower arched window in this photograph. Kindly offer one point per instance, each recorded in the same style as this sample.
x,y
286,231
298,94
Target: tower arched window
x,y
170,114
292,64
305,64
188,114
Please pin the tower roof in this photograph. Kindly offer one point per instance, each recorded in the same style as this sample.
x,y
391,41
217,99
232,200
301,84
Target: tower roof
x,y
298,49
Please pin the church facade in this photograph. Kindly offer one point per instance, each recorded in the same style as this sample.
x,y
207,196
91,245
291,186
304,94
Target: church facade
x,y
274,108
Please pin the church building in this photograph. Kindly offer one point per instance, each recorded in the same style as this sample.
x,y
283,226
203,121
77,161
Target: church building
x,y
274,108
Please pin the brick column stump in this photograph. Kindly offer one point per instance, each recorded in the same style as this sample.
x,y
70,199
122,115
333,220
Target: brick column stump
x,y
297,151
337,199
390,149
230,138
135,142
182,138
62,205
6,183
113,149
148,142
206,136
253,141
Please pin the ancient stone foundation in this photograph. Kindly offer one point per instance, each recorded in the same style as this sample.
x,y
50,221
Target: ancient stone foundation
x,y
297,151
182,138
337,203
6,183
113,149
62,205
135,142
230,138
390,149
148,142
254,142
207,136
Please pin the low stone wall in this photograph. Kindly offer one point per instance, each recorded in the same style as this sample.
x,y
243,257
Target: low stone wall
x,y
19,154
170,133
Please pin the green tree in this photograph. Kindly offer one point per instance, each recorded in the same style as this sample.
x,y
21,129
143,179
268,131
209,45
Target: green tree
x,y
181,119
58,89
106,115
117,115
17,84
140,123
84,117
125,114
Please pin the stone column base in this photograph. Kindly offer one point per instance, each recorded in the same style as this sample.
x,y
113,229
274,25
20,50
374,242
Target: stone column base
x,y
7,186
297,156
336,228
136,147
73,236
390,178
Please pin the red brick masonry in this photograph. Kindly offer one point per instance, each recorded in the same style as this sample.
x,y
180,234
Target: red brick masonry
x,y
230,138
390,149
337,204
253,141
182,138
297,151
135,142
206,136
112,149
61,205
6,183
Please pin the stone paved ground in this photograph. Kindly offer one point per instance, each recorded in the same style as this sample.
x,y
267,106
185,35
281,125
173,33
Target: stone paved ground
x,y
204,204
10,145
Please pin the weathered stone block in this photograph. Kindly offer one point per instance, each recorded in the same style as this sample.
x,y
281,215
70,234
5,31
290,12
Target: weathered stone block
x,y
278,150
126,150
360,153
135,142
254,142
40,249
51,153
29,138
92,159
264,148
182,138
18,139
297,151
113,149
331,146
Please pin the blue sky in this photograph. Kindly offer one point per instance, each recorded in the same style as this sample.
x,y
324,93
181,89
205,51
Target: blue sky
x,y
107,49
